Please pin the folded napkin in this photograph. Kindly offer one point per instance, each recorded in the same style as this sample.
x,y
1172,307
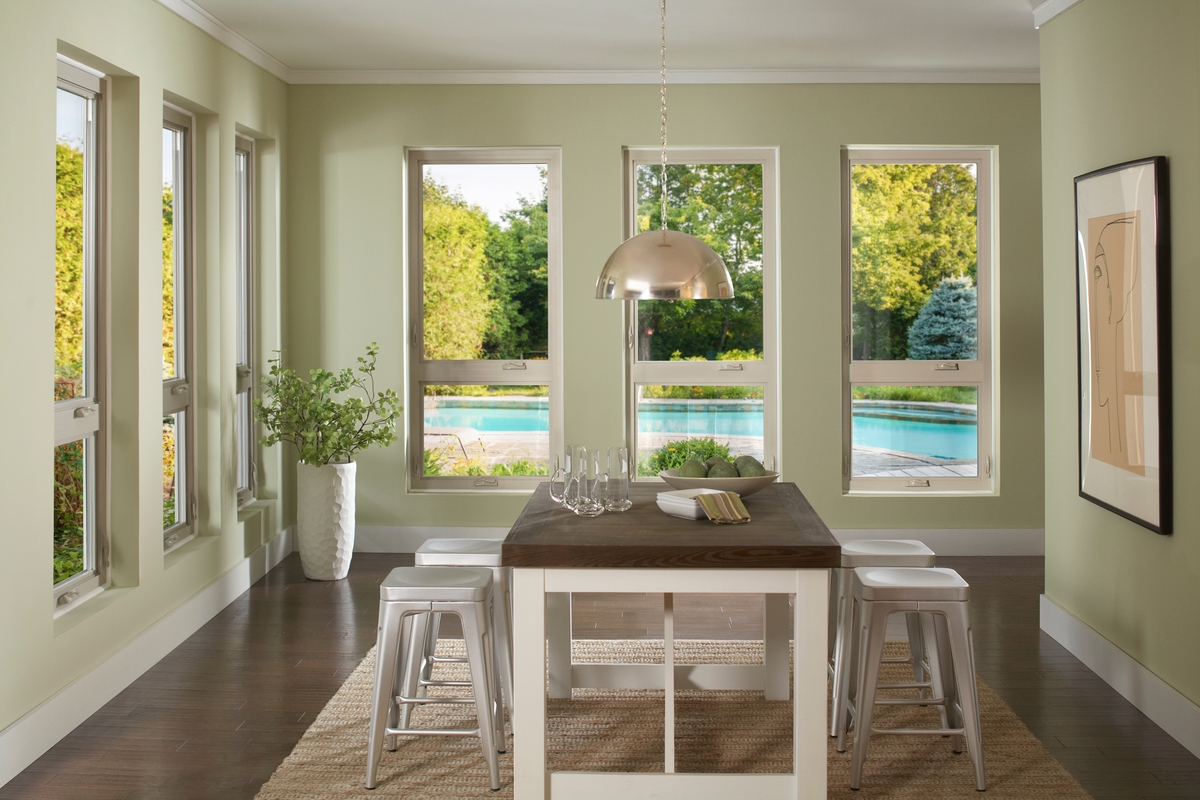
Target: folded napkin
x,y
723,507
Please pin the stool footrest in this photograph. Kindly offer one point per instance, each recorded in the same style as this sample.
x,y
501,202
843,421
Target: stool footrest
x,y
425,682
924,731
430,732
446,660
910,701
431,700
909,685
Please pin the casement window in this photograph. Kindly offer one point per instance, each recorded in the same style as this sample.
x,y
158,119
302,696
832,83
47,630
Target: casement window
x,y
918,381
179,487
485,318
81,553
245,272
707,369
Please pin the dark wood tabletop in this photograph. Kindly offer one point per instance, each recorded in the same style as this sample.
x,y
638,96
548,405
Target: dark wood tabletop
x,y
784,533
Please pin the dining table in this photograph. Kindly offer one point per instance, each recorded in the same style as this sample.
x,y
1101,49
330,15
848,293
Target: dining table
x,y
785,549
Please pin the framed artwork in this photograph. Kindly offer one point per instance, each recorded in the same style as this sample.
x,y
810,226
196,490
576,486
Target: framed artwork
x,y
1123,281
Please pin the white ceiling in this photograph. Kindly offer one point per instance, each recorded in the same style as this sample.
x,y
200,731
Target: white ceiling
x,y
939,36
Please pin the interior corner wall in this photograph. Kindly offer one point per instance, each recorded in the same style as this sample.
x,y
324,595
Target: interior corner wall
x,y
346,201
1121,81
149,52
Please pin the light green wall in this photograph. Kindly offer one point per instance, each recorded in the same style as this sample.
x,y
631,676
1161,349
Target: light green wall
x,y
346,212
1120,81
152,52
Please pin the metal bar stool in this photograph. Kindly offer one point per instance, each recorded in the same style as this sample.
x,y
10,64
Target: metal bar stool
x,y
418,666
940,596
868,553
409,591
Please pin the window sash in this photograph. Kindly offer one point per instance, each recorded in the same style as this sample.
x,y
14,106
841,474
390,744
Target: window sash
x,y
83,418
979,372
492,372
245,316
711,373
178,391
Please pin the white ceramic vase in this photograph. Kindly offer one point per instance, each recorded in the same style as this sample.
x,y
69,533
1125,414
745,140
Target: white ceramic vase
x,y
325,519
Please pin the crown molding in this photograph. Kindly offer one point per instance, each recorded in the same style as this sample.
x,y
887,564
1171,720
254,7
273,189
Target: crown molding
x,y
229,37
675,76
1049,10
206,22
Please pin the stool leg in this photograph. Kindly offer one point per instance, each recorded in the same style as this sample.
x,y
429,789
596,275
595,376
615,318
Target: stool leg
x,y
474,623
497,696
387,643
848,669
874,627
502,634
844,639
398,713
949,683
963,651
942,687
416,647
916,649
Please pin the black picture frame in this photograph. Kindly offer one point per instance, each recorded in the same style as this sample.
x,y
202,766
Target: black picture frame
x,y
1123,323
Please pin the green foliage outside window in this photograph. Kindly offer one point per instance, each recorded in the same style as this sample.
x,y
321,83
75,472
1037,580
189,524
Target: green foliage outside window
x,y
965,395
672,455
947,327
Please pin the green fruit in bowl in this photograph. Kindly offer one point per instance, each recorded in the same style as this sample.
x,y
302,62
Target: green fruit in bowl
x,y
749,467
693,468
722,469
712,461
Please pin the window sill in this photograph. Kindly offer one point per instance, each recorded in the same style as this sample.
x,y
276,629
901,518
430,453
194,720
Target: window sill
x,y
253,508
181,551
86,607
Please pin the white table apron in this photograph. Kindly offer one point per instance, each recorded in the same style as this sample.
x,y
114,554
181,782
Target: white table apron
x,y
532,780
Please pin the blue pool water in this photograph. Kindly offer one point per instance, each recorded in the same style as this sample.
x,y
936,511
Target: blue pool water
x,y
934,437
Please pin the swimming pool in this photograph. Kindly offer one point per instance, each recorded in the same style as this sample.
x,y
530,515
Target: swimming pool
x,y
924,431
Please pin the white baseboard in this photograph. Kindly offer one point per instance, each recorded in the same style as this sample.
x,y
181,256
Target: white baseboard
x,y
28,738
960,541
1154,697
407,538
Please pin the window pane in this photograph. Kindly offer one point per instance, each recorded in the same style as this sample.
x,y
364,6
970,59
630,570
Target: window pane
x,y
913,261
719,420
244,437
720,204
70,512
915,431
174,461
485,262
172,208
70,233
486,430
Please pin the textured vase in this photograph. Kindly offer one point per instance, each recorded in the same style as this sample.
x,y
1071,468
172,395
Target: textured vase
x,y
325,519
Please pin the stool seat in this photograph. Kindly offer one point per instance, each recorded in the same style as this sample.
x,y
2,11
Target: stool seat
x,y
931,584
436,585
459,553
889,552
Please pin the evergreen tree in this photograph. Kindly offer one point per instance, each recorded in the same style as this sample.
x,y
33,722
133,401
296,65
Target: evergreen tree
x,y
946,327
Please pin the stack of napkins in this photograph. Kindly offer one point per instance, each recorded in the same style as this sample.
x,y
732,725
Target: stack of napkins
x,y
720,507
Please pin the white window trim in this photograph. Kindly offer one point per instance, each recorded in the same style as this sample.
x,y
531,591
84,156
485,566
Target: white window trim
x,y
247,242
87,417
179,392
712,373
419,372
982,372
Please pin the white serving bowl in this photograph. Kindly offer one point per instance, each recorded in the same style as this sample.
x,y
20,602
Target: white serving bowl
x,y
683,503
743,486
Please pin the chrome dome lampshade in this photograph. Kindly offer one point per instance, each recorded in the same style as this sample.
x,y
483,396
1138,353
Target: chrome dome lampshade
x,y
664,265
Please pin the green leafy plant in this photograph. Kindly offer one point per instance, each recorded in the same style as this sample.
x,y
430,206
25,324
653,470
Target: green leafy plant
x,y
324,429
672,454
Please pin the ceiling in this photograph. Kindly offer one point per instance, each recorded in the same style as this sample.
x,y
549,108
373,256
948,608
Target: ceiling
x,y
612,36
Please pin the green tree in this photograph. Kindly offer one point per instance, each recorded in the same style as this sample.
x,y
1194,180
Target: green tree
x,y
168,281
946,328
457,306
517,280
912,226
720,204
68,262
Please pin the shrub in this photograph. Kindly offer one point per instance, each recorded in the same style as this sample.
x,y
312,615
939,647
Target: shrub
x,y
919,394
672,455
946,327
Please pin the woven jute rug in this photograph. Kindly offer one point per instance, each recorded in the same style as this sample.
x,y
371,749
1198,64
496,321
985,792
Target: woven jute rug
x,y
622,731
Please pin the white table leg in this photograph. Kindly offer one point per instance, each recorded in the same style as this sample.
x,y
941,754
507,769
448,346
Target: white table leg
x,y
558,628
776,633
810,673
531,781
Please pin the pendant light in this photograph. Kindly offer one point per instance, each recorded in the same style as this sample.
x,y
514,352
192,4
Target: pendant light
x,y
663,264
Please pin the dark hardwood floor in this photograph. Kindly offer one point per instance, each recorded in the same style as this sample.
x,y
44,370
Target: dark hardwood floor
x,y
215,717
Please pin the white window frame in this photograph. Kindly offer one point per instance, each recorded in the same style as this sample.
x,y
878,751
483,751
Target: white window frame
x,y
496,372
246,236
86,418
712,373
980,372
178,392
